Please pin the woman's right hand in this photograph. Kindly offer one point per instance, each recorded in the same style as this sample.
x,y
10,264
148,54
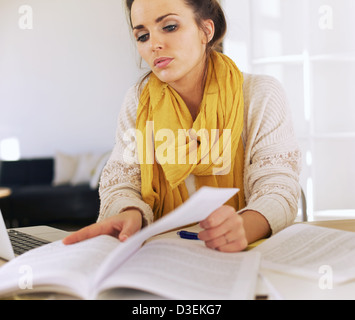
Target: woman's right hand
x,y
121,226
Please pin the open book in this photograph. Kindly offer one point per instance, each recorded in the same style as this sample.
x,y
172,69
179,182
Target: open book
x,y
310,251
172,268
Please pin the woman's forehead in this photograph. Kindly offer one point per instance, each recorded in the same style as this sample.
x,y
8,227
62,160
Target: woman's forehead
x,y
149,11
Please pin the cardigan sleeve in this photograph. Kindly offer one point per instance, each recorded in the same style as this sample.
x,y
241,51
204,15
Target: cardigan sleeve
x,y
120,183
272,154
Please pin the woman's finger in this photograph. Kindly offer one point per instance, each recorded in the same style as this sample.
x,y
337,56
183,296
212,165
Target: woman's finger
x,y
121,226
235,246
217,217
128,229
214,233
88,232
217,242
229,236
232,223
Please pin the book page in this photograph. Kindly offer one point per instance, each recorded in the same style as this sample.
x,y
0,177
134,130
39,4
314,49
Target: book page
x,y
305,250
197,208
184,269
64,269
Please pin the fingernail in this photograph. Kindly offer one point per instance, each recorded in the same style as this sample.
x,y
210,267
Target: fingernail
x,y
123,238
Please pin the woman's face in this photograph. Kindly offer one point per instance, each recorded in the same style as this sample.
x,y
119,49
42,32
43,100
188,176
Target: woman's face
x,y
169,40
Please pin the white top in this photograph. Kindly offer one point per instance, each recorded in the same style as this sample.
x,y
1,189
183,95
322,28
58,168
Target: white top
x,y
272,157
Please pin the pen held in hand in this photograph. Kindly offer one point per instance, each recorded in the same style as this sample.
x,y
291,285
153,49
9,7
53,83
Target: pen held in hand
x,y
188,235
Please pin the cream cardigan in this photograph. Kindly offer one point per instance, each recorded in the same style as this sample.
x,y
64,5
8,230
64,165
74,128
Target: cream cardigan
x,y
272,158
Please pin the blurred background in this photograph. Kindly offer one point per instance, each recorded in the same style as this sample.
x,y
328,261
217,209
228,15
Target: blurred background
x,y
309,45
65,66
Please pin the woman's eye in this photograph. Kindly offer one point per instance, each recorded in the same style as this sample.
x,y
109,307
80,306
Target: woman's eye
x,y
170,28
143,38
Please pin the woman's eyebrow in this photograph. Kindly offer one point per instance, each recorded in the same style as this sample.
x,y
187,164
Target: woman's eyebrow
x,y
140,26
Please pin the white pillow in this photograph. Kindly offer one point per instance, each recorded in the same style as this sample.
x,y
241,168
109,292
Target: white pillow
x,y
64,168
95,179
85,169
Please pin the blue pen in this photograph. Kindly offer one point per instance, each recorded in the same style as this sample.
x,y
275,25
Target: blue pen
x,y
188,235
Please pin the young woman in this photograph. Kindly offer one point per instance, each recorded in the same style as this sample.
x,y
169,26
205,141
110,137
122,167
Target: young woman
x,y
192,89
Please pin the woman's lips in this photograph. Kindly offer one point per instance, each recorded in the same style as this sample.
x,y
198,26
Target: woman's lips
x,y
162,62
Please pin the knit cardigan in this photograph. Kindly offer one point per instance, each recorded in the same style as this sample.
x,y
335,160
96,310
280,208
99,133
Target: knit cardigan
x,y
272,158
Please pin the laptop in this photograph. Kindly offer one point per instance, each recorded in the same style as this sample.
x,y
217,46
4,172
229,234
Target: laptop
x,y
14,242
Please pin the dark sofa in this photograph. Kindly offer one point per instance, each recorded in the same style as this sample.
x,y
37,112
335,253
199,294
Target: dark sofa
x,y
34,200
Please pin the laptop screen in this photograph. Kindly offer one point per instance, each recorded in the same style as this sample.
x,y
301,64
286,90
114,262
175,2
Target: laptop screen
x,y
6,250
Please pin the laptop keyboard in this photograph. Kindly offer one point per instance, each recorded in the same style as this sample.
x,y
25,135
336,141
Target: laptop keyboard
x,y
22,242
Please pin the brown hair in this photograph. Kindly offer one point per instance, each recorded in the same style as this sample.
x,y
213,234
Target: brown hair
x,y
210,9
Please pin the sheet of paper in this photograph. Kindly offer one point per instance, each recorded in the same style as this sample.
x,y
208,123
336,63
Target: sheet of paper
x,y
200,205
311,252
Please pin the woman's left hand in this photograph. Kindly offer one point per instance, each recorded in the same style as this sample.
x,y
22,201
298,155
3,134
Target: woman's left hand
x,y
224,231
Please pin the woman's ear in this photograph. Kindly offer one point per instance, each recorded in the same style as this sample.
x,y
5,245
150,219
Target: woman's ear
x,y
208,28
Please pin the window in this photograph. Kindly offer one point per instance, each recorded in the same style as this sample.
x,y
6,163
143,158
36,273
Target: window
x,y
308,45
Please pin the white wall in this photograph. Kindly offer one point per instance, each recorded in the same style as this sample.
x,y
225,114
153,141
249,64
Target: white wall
x,y
63,81
237,43
309,46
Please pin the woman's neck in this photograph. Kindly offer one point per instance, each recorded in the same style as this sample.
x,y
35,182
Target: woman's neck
x,y
192,98
191,89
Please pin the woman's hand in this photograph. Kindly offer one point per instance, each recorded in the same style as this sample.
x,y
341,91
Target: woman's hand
x,y
227,231
224,231
121,226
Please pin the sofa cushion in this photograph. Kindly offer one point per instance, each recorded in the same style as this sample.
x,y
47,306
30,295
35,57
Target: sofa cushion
x,y
64,168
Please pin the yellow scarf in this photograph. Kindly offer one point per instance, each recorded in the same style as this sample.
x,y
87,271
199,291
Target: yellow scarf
x,y
212,150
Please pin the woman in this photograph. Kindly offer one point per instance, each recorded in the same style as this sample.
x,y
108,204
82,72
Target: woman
x,y
191,86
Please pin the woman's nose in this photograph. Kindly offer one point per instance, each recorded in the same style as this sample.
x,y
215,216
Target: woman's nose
x,y
156,42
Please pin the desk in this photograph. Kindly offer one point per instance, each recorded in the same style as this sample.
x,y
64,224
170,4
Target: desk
x,y
5,192
345,225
